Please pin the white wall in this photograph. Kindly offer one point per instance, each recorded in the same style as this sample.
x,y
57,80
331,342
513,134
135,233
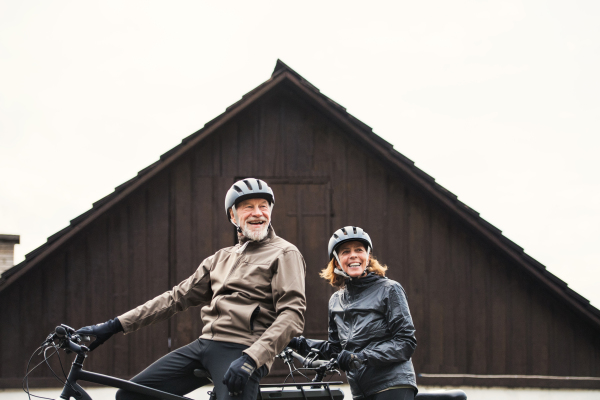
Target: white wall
x,y
472,393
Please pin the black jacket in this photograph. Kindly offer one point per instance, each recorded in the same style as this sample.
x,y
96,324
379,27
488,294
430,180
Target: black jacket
x,y
371,316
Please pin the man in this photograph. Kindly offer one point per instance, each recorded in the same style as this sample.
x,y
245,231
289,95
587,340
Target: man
x,y
253,304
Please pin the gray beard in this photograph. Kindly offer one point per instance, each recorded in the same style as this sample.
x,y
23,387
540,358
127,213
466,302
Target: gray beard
x,y
255,235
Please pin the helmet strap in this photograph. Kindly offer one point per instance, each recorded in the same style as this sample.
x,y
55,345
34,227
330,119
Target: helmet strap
x,y
339,271
235,218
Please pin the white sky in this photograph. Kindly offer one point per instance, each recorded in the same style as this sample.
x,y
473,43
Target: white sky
x,y
497,100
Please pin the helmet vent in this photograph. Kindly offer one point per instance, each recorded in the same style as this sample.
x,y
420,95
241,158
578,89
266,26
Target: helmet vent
x,y
248,184
344,230
237,189
354,229
259,185
336,236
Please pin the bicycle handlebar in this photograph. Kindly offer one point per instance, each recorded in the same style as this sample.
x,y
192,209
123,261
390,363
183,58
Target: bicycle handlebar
x,y
307,362
68,339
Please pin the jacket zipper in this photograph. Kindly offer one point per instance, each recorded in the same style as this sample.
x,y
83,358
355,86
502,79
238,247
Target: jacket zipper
x,y
350,335
351,330
217,302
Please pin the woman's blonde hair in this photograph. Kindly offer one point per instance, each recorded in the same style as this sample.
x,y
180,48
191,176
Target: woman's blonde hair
x,y
338,281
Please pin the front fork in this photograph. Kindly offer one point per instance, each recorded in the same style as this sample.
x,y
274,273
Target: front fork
x,y
71,388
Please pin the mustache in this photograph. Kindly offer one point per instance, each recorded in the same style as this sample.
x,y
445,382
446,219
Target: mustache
x,y
259,219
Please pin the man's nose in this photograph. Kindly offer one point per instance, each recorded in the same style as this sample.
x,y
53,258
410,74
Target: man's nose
x,y
256,211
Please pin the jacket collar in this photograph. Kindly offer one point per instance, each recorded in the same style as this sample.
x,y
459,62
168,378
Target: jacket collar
x,y
362,282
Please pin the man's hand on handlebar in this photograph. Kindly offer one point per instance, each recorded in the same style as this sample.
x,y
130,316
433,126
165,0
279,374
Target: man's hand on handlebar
x,y
349,361
102,332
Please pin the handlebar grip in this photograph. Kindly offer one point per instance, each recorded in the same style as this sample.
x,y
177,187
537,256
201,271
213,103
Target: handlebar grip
x,y
60,332
75,348
317,363
298,357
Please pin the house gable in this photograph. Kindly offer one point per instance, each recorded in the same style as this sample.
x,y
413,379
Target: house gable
x,y
481,306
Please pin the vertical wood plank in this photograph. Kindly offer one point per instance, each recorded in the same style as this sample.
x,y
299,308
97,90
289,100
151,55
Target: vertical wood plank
x,y
157,275
138,290
477,317
184,263
99,290
499,316
119,265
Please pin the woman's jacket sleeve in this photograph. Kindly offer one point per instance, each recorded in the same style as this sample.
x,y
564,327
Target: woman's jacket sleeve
x,y
402,344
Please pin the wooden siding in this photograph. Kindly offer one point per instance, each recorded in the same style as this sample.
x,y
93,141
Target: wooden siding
x,y
475,311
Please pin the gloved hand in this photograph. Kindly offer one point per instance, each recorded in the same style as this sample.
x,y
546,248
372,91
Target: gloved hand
x,y
349,361
300,345
238,374
102,332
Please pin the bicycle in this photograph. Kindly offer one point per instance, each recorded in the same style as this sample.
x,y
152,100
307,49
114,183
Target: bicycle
x,y
66,338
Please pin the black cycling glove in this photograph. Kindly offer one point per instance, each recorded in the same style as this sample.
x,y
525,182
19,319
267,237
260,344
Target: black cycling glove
x,y
299,343
238,374
349,361
102,332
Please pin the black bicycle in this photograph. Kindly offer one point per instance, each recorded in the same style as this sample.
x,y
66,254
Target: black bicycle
x,y
65,337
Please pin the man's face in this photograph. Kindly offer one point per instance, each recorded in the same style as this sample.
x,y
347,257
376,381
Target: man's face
x,y
254,216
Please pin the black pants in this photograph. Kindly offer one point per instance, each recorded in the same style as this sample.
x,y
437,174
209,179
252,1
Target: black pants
x,y
174,373
393,394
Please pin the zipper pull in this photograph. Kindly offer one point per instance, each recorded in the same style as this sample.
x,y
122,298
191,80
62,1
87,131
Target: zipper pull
x,y
242,248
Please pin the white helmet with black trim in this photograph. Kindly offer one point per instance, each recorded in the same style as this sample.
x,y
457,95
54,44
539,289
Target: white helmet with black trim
x,y
249,188
343,235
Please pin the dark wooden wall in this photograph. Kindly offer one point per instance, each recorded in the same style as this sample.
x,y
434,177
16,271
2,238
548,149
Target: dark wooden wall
x,y
475,311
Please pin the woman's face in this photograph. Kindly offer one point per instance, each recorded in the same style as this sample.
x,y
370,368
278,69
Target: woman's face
x,y
354,258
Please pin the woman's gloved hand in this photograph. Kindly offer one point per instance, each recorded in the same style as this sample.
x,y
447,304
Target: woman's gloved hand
x,y
102,332
300,345
238,374
349,361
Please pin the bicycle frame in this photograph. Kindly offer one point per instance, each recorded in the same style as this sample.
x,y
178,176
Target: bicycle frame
x,y
72,389
77,373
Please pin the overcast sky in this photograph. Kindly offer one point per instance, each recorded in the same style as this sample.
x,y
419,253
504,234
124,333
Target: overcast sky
x,y
498,100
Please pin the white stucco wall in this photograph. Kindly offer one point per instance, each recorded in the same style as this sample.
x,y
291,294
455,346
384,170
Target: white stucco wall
x,y
472,393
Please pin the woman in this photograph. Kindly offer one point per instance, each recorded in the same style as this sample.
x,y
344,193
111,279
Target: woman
x,y
370,327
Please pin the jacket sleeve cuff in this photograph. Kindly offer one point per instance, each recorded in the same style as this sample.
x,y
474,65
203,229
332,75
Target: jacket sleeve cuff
x,y
259,354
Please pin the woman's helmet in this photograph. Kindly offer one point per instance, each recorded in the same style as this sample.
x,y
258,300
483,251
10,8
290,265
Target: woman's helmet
x,y
250,188
343,235
347,234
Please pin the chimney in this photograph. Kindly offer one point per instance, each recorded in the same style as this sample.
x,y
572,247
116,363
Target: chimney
x,y
7,251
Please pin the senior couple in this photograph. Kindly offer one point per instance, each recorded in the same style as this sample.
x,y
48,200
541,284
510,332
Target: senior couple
x,y
253,304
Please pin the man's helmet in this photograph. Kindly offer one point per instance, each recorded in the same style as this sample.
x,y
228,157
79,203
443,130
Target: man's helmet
x,y
249,188
343,235
348,234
